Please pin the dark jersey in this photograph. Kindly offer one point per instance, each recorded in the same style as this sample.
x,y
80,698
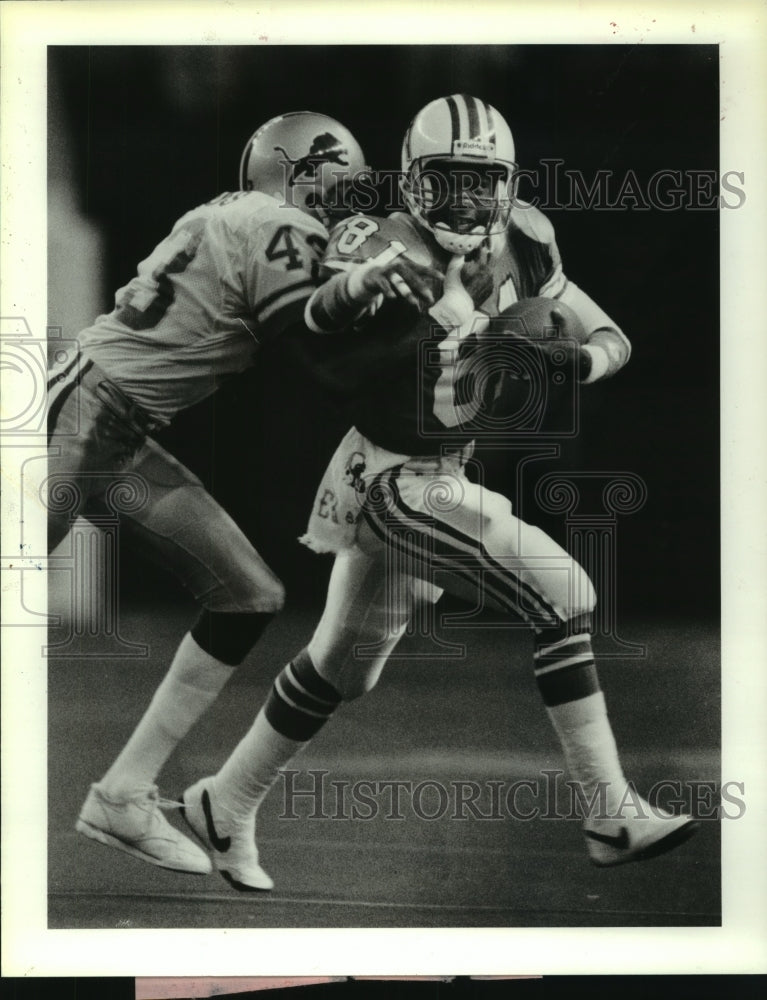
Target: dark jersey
x,y
407,384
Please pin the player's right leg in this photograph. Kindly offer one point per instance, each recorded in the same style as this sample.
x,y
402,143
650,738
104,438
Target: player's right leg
x,y
88,441
94,432
364,608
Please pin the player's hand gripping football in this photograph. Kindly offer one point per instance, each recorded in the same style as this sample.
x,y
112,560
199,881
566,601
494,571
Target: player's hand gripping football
x,y
417,284
557,332
564,356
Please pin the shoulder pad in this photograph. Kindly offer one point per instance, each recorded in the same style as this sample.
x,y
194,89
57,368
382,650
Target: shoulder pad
x,y
532,222
253,211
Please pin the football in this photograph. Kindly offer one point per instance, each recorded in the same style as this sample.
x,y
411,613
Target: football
x,y
532,318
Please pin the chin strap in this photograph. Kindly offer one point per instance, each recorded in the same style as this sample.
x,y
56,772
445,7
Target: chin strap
x,y
455,243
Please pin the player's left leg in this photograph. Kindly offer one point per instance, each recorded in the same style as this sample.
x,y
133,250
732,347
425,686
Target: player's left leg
x,y
441,523
189,532
365,608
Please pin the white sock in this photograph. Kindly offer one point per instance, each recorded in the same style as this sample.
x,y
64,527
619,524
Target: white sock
x,y
190,687
252,768
589,746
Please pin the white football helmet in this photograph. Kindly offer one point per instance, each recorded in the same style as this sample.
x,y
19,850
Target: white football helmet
x,y
457,170
304,160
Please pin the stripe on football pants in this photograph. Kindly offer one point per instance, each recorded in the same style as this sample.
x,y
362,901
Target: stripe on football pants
x,y
476,547
440,546
66,388
54,380
300,702
411,544
454,543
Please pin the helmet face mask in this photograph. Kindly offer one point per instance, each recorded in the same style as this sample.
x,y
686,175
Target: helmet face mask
x,y
461,197
458,167
300,159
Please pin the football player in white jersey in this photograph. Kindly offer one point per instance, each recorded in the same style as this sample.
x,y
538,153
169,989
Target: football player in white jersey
x,y
396,505
233,274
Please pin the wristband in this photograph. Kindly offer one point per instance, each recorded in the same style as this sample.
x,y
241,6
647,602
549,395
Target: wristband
x,y
599,362
331,308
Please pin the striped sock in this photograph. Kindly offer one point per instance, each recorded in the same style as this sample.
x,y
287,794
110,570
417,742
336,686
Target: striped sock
x,y
301,701
567,679
563,663
299,704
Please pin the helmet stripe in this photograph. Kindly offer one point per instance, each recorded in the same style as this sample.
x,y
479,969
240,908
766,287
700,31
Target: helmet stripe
x,y
490,123
482,112
454,119
471,105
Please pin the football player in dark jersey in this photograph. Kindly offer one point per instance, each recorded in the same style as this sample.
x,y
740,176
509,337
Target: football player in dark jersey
x,y
395,504
232,274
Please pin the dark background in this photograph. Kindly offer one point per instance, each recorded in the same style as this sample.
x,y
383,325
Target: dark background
x,y
155,131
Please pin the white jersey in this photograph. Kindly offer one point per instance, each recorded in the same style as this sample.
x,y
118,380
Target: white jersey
x,y
232,274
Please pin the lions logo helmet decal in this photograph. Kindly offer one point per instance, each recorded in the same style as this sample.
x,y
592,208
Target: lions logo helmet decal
x,y
325,148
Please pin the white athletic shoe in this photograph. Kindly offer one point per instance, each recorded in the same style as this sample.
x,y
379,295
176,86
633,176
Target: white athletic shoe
x,y
136,826
636,837
232,847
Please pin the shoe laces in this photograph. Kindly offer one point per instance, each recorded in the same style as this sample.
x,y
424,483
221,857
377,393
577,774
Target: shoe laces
x,y
167,804
150,794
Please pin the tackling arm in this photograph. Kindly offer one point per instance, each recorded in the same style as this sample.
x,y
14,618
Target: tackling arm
x,y
358,355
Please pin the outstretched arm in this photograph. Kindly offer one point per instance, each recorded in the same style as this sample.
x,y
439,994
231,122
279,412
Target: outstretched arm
x,y
351,294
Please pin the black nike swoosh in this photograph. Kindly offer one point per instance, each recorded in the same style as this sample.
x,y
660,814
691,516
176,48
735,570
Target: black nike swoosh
x,y
220,843
620,840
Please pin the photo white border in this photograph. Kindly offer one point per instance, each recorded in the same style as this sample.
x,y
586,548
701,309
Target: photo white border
x,y
29,948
